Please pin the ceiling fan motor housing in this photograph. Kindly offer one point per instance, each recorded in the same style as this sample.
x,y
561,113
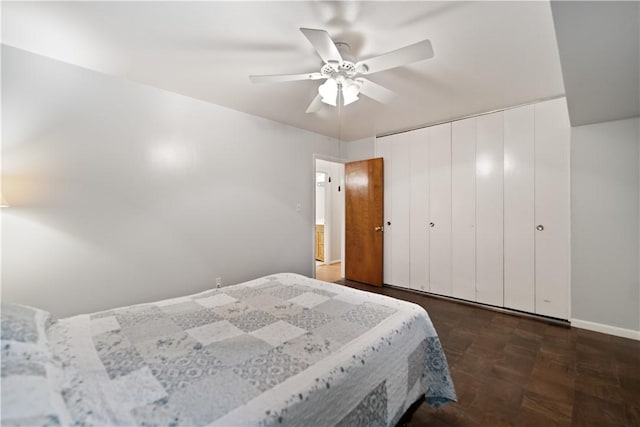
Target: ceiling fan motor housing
x,y
340,70
345,52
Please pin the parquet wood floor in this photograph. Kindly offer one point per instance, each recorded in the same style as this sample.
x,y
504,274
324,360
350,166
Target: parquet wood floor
x,y
329,272
515,371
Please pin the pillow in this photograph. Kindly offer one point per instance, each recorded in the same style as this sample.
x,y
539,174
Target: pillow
x,y
30,384
24,331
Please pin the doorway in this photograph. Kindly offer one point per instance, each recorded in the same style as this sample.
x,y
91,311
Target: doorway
x,y
329,220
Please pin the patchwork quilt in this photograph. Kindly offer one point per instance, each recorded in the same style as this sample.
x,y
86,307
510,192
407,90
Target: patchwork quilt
x,y
279,350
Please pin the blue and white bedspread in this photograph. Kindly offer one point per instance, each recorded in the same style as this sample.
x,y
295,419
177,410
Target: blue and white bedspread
x,y
279,350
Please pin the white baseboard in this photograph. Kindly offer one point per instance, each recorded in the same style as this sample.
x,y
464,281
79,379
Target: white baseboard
x,y
606,329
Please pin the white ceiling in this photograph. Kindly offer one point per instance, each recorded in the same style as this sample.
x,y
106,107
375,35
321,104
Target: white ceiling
x,y
488,55
599,43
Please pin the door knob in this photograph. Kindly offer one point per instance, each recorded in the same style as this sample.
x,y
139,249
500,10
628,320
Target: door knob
x,y
431,225
379,229
540,227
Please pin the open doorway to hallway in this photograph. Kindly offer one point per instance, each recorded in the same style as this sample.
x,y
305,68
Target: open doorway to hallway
x,y
329,220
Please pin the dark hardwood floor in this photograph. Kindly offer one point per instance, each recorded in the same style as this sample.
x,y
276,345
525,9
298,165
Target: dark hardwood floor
x,y
511,370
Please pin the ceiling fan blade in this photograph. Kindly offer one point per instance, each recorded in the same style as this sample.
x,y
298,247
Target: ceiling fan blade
x,y
276,78
375,91
323,44
315,104
396,58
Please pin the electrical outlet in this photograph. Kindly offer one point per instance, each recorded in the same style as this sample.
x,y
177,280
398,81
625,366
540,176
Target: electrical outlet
x,y
218,282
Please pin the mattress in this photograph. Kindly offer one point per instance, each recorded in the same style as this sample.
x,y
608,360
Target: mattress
x,y
279,350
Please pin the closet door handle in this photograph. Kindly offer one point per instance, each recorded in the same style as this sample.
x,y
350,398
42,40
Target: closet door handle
x,y
540,227
431,224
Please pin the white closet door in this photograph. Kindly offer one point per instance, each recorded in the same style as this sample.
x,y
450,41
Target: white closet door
x,y
400,207
489,209
440,209
552,133
463,209
419,244
519,248
383,149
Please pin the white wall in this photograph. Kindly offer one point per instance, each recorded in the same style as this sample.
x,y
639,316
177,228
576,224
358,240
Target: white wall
x,y
336,192
605,223
320,196
334,200
361,149
123,193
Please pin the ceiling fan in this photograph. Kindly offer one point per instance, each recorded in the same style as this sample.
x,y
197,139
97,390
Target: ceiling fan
x,y
344,75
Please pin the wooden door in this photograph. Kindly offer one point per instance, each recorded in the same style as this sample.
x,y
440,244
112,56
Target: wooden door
x,y
363,221
463,209
384,150
440,209
552,197
419,209
320,242
489,209
400,212
519,176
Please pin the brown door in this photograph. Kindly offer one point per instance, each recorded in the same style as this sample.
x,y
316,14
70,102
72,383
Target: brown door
x,y
363,221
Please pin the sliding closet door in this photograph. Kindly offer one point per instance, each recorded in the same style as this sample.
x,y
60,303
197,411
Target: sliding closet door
x,y
419,221
440,209
489,209
519,249
383,149
400,205
463,209
552,133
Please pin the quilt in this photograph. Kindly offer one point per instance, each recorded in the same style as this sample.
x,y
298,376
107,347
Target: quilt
x,y
279,350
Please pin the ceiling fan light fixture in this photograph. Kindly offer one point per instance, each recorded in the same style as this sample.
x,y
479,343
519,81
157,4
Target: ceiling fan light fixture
x,y
329,92
348,99
350,91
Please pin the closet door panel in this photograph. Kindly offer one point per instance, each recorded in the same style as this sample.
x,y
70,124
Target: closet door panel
x,y
552,134
383,149
489,209
419,221
440,209
519,248
463,209
400,210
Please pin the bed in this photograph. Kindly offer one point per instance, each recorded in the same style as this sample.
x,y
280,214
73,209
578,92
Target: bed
x,y
278,350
